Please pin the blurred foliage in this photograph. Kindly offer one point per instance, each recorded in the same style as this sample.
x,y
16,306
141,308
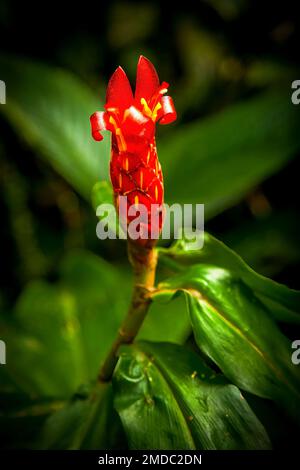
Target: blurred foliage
x,y
49,110
234,148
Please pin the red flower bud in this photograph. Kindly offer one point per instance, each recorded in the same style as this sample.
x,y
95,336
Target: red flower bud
x,y
134,168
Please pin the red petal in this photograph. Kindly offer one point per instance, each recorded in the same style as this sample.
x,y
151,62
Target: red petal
x,y
134,115
98,124
137,124
168,112
119,92
147,80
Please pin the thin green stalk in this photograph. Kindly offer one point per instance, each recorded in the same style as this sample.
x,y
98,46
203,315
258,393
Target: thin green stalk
x,y
143,261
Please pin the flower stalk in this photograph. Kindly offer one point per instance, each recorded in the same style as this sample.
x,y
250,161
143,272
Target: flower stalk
x,y
143,260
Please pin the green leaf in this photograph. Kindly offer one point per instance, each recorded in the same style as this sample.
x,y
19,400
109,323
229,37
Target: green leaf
x,y
102,193
284,303
91,281
168,322
44,347
168,398
59,333
235,330
217,160
88,421
150,414
50,109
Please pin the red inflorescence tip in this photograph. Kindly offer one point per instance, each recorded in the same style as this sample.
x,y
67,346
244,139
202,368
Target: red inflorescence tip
x,y
135,170
147,81
119,92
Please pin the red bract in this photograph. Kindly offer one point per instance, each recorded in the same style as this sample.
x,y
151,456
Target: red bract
x,y
134,168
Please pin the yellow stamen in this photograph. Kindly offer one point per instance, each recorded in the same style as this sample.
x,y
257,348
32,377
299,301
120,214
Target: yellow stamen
x,y
126,113
148,156
147,110
156,192
120,138
141,179
113,122
136,200
155,111
120,180
126,164
112,109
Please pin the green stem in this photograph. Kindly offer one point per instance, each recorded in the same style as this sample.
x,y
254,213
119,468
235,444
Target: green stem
x,y
143,261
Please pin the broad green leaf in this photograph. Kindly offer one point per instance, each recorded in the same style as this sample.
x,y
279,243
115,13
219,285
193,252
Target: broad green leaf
x,y
45,354
235,330
102,193
91,281
168,398
59,333
150,414
284,303
88,421
50,109
168,322
217,160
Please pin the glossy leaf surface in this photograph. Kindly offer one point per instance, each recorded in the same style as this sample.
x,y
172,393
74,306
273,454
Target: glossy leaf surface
x,y
236,331
168,398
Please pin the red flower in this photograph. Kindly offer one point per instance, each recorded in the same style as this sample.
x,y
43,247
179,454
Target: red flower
x,y
134,168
